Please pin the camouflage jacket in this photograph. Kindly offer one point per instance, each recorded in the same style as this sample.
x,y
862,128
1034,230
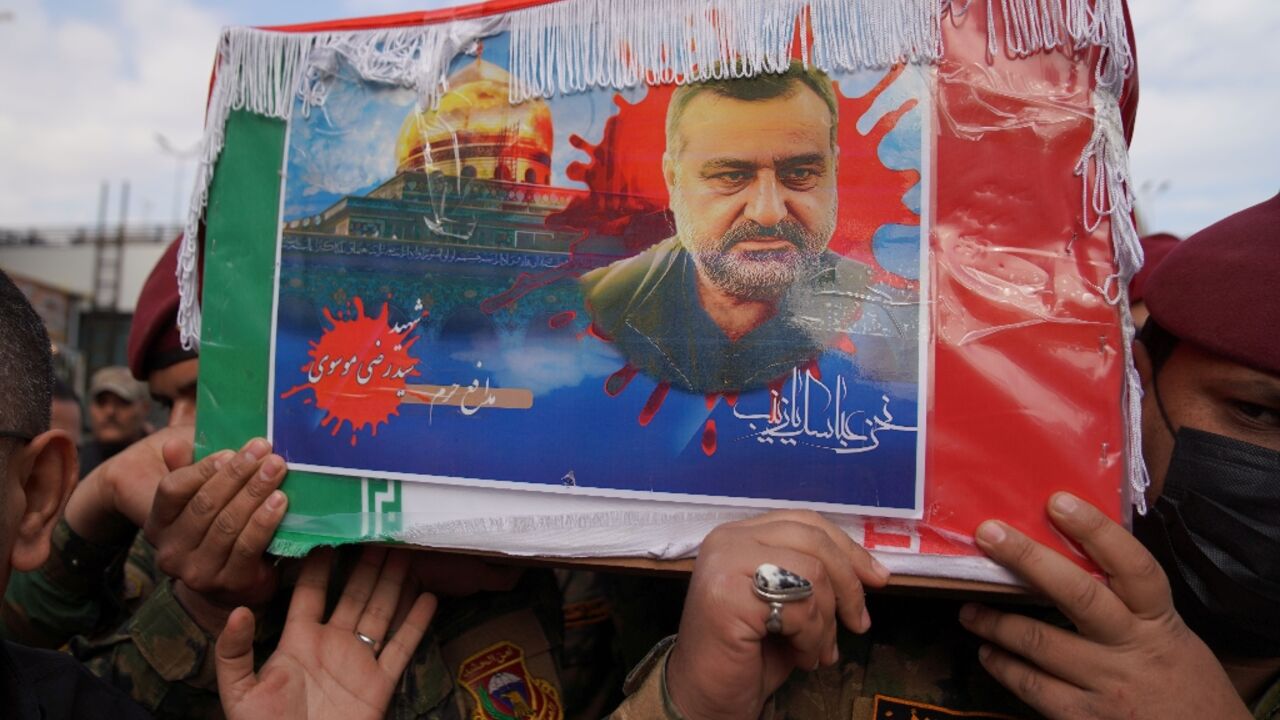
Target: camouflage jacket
x,y
550,649
1268,706
83,589
545,650
916,662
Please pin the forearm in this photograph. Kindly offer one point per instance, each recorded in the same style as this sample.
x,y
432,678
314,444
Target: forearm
x,y
91,511
646,688
65,597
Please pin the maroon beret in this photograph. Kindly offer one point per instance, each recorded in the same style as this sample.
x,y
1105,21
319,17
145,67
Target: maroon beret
x,y
154,342
1154,249
1218,288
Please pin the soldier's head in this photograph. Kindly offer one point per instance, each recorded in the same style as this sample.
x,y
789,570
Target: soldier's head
x,y
117,406
1209,358
750,166
38,466
156,355
1154,249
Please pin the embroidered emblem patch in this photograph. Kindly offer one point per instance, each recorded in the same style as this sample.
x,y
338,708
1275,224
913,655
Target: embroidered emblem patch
x,y
504,689
890,708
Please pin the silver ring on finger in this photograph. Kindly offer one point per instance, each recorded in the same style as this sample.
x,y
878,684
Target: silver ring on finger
x,y
777,586
373,644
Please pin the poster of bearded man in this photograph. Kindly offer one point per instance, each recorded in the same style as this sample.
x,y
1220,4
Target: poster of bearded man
x,y
706,292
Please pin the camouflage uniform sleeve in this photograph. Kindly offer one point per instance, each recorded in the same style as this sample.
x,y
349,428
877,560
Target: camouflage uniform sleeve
x,y
646,688
1268,708
160,656
68,596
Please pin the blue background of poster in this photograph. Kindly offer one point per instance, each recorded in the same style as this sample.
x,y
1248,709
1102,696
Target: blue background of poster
x,y
575,433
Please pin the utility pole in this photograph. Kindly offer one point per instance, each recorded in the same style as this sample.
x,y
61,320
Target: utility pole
x,y
108,256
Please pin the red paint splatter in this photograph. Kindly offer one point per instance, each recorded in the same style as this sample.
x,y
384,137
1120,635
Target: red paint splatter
x,y
878,189
845,345
358,370
654,402
594,331
709,438
561,319
628,197
814,371
617,382
775,399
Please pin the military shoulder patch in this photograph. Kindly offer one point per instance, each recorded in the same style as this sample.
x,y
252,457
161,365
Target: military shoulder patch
x,y
891,708
504,689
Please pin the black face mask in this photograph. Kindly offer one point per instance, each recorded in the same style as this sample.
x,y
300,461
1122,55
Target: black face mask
x,y
1216,531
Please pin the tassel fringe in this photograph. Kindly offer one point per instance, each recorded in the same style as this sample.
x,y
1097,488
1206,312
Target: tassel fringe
x,y
1107,192
574,45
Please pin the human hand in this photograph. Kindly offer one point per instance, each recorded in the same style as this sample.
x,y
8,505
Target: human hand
x,y
724,663
324,670
211,523
112,502
1132,656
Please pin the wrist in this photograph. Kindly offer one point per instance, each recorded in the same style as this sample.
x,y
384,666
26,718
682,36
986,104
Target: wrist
x,y
686,702
209,615
91,512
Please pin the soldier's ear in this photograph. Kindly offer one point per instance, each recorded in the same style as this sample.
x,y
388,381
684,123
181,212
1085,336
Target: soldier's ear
x,y
47,469
669,170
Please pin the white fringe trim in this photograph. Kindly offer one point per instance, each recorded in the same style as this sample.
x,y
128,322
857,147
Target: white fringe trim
x,y
574,45
1032,26
1108,193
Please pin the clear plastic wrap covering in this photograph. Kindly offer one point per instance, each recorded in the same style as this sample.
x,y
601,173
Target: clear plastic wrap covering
x,y
600,322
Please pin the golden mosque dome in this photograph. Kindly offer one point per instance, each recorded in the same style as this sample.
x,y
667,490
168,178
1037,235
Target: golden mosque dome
x,y
476,132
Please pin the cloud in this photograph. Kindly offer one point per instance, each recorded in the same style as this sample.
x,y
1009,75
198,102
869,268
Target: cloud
x,y
349,143
1207,109
85,100
545,365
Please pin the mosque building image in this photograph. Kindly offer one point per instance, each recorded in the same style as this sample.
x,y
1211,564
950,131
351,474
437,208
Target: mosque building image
x,y
463,216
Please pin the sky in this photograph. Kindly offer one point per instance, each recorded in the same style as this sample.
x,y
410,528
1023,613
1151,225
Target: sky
x,y
95,91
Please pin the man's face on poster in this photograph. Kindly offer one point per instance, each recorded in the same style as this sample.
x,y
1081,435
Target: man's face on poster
x,y
753,188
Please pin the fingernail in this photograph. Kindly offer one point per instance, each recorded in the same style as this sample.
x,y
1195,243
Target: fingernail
x,y
991,533
271,467
866,620
879,569
257,449
984,652
1065,503
221,459
968,612
835,655
275,500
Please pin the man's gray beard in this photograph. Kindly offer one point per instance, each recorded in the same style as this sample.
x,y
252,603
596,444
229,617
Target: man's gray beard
x,y
764,275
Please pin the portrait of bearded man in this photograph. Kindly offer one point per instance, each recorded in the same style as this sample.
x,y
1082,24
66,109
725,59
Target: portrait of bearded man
x,y
746,289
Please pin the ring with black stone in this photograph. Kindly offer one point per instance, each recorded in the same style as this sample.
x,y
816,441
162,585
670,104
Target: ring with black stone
x,y
777,586
373,644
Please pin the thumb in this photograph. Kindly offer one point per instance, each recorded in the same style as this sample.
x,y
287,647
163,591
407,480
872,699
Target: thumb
x,y
233,659
177,453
